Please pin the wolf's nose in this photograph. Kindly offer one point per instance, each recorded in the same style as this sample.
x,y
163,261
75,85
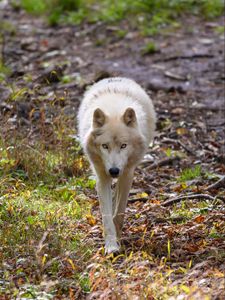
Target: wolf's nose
x,y
114,172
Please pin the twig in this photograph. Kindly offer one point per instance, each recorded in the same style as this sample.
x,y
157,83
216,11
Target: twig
x,y
41,244
175,76
145,163
217,184
181,144
142,199
175,57
180,198
163,162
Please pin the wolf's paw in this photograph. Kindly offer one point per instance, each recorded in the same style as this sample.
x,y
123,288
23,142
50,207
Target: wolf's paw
x,y
111,247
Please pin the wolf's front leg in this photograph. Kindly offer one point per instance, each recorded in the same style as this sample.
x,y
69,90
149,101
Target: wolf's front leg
x,y
105,198
120,199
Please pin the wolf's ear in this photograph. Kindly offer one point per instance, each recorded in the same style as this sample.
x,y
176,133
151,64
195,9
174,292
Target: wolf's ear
x,y
129,117
99,118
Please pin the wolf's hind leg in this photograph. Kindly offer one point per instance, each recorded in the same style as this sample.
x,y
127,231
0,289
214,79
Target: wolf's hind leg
x,y
120,200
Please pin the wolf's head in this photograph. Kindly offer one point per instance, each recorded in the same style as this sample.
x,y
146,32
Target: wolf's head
x,y
115,142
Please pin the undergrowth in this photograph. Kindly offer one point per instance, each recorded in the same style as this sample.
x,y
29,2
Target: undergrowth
x,y
47,229
43,180
149,15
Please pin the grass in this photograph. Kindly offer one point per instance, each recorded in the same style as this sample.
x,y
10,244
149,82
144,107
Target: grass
x,y
30,212
150,16
219,30
190,173
188,211
150,48
40,211
43,182
4,72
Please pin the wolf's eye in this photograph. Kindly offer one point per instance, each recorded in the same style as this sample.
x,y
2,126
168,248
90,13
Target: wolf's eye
x,y
105,146
123,146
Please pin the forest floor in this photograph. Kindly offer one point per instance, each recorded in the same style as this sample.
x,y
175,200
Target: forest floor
x,y
51,244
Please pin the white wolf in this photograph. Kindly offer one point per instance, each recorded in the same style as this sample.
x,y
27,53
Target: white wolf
x,y
116,123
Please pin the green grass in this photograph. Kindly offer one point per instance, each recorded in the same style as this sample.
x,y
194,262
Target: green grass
x,y
38,234
149,15
4,71
43,182
40,6
190,173
150,48
40,210
187,211
219,30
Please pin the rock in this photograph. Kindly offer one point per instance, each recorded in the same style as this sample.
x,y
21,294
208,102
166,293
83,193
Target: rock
x,y
4,93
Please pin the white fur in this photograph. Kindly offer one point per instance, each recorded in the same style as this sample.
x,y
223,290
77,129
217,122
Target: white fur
x,y
113,96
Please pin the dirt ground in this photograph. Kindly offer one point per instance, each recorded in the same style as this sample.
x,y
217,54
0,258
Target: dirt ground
x,y
185,78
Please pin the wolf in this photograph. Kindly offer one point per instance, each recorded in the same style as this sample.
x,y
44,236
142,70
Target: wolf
x,y
116,123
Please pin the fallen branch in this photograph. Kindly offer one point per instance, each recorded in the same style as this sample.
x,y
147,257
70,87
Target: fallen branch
x,y
163,162
175,57
217,184
180,198
42,244
181,144
136,191
142,199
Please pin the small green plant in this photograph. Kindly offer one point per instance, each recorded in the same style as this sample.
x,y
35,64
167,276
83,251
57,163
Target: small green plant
x,y
85,282
214,233
150,48
121,33
32,292
190,173
17,93
37,7
220,29
112,11
54,9
75,17
212,8
168,152
66,79
4,71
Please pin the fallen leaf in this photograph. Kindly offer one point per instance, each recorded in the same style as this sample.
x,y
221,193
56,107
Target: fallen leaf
x,y
71,263
218,274
142,195
182,131
179,188
155,201
91,220
199,219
